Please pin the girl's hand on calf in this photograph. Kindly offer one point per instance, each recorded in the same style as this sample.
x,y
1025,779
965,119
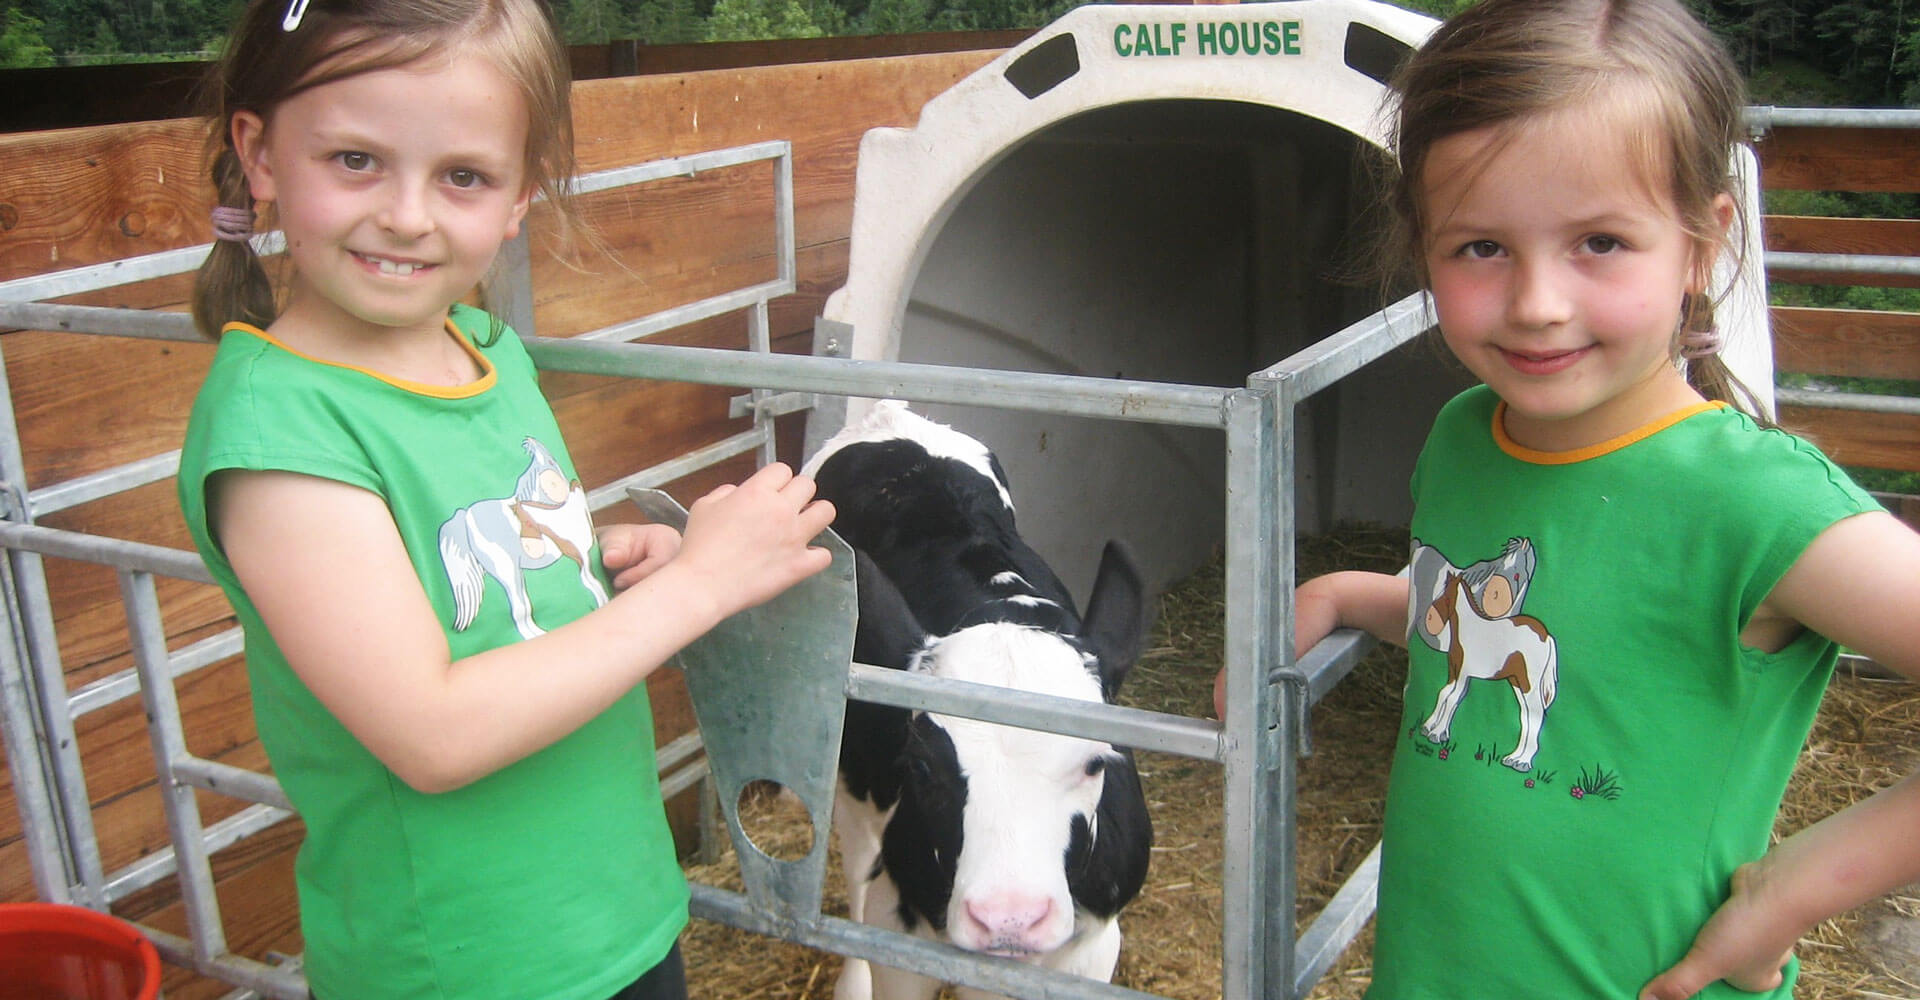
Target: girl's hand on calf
x,y
749,542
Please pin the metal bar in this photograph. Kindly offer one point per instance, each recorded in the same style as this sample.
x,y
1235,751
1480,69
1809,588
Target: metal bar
x,y
692,312
783,231
681,166
283,982
46,684
683,779
680,748
1257,850
760,340
20,735
185,660
1329,661
156,559
1333,358
1866,265
937,960
1132,727
160,864
105,483
1337,925
1862,401
169,743
668,471
105,320
94,277
1070,395
1760,118
226,779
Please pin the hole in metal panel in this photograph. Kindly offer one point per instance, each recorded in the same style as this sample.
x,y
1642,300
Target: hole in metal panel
x,y
775,820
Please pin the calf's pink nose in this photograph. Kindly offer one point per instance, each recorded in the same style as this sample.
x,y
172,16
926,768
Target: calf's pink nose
x,y
1005,915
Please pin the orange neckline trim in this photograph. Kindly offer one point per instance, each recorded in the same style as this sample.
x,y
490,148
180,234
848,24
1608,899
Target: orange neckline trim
x,y
488,375
1641,433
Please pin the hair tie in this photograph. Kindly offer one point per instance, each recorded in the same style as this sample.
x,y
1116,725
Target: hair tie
x,y
296,10
1697,344
234,225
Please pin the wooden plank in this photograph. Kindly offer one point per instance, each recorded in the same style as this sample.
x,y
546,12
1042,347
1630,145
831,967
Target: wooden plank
x,y
1858,343
1804,234
1839,159
628,59
61,97
87,196
1870,440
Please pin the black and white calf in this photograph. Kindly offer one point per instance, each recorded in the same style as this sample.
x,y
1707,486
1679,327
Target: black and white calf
x,y
999,839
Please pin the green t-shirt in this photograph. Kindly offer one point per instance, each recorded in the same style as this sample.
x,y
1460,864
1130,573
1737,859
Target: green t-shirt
x,y
1565,825
554,877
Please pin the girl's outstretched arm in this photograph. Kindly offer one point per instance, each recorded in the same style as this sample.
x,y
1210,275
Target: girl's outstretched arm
x,y
1858,584
325,566
1374,602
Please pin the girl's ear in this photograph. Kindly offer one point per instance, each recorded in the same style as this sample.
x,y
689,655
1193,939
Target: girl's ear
x,y
1722,212
520,207
249,134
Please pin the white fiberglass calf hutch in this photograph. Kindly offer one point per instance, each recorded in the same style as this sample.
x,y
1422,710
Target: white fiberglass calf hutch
x,y
1160,193
1176,194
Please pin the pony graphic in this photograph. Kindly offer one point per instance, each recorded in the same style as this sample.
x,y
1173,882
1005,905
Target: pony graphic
x,y
545,520
1517,649
1498,585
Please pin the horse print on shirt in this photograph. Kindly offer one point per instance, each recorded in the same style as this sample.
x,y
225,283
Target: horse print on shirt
x,y
1473,616
545,520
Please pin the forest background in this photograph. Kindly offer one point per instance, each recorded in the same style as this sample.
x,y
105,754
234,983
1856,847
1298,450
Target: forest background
x,y
1796,53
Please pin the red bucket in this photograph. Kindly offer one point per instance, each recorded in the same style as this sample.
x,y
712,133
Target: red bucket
x,y
49,951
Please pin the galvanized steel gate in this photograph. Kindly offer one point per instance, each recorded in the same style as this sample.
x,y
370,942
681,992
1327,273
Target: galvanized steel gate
x,y
1257,745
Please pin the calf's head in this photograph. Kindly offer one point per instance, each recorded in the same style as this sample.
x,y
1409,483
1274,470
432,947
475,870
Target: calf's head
x,y
1003,836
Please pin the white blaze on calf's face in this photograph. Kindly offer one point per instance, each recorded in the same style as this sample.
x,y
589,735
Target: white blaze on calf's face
x,y
1024,788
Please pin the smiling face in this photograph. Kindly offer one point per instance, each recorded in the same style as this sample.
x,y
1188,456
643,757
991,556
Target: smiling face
x,y
395,189
1557,268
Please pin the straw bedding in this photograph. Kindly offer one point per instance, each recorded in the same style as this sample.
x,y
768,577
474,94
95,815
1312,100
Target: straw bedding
x,y
1864,740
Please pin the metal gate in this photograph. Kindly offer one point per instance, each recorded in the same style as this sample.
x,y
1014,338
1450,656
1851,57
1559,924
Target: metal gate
x,y
1257,745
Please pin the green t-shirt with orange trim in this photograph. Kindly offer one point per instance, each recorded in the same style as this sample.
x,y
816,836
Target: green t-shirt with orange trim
x,y
554,877
1588,751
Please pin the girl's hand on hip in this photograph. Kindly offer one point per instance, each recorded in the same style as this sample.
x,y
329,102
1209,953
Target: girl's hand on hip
x,y
1741,943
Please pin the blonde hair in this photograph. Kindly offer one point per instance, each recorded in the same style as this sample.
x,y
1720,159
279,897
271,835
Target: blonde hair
x,y
265,64
1504,63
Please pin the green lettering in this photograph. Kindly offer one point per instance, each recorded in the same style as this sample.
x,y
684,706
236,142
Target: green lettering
x,y
1179,36
1120,40
1208,38
1290,38
1270,36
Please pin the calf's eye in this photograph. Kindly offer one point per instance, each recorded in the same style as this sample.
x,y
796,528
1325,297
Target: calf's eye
x,y
1096,765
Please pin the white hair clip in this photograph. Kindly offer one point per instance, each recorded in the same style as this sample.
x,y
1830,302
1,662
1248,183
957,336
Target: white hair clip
x,y
295,11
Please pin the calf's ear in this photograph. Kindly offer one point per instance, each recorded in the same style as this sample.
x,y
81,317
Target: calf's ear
x,y
887,633
1115,625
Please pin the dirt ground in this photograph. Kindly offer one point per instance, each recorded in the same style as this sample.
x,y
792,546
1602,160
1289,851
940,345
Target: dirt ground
x,y
1867,736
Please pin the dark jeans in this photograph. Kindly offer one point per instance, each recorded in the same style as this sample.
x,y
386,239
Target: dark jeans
x,y
666,981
